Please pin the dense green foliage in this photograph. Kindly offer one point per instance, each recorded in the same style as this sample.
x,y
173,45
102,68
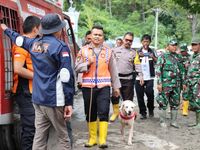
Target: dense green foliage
x,y
120,16
192,6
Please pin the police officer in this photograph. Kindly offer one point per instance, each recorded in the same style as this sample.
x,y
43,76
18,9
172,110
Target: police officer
x,y
185,59
170,72
22,88
53,80
88,38
148,59
119,42
193,81
97,63
127,63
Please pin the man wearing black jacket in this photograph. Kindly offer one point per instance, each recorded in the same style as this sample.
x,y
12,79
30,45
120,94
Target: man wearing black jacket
x,y
147,59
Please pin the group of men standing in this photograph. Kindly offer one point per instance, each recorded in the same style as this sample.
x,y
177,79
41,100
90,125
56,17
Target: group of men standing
x,y
121,68
135,68
103,68
175,73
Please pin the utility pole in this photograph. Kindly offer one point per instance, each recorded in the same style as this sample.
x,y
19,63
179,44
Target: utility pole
x,y
156,27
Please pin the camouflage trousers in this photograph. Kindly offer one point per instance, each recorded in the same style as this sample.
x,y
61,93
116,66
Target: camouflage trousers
x,y
169,95
192,94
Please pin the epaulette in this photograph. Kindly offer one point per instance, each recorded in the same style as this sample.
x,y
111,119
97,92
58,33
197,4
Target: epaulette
x,y
85,46
133,49
106,46
61,42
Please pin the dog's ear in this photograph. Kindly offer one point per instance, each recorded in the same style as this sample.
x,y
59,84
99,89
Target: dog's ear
x,y
121,107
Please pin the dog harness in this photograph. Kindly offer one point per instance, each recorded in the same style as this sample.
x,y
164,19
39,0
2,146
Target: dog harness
x,y
134,115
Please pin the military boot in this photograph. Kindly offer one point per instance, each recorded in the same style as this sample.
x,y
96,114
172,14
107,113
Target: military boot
x,y
162,114
174,114
197,120
115,112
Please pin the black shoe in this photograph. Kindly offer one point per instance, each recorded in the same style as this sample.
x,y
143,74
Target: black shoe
x,y
143,117
103,146
151,114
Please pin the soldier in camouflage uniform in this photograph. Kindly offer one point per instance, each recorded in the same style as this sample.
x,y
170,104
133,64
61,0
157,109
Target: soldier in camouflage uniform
x,y
193,81
169,72
185,59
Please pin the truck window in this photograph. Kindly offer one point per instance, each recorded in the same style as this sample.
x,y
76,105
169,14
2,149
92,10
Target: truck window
x,y
10,18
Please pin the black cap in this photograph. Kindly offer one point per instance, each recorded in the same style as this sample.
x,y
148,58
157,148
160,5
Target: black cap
x,y
51,23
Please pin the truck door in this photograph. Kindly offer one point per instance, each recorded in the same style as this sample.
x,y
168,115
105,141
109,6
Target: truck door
x,y
9,17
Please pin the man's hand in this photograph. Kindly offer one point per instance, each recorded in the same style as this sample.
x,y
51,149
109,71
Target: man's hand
x,y
141,54
67,112
91,60
184,87
4,27
116,92
151,55
141,81
159,87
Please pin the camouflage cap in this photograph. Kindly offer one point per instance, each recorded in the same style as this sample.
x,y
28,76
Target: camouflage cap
x,y
195,40
183,47
172,42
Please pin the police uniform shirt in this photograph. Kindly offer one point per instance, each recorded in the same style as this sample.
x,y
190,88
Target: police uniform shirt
x,y
125,61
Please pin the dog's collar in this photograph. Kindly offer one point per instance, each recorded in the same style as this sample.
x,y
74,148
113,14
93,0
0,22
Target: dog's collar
x,y
128,117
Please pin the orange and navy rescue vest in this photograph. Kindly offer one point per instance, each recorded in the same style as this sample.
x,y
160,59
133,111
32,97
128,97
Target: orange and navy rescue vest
x,y
98,74
21,84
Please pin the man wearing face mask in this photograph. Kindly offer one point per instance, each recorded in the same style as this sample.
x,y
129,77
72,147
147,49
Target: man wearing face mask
x,y
127,63
148,59
22,88
170,73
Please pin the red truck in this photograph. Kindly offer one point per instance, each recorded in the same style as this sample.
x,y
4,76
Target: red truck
x,y
12,13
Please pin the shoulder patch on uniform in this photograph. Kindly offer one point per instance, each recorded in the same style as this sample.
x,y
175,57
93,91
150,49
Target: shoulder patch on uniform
x,y
102,55
65,54
78,58
17,55
40,47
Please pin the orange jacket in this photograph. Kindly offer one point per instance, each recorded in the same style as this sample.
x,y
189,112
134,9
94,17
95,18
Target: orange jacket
x,y
98,73
21,55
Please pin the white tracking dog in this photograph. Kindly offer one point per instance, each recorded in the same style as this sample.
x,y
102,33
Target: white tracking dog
x,y
127,116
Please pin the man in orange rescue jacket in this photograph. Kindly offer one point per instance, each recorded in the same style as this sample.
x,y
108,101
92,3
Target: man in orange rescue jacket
x,y
96,62
22,87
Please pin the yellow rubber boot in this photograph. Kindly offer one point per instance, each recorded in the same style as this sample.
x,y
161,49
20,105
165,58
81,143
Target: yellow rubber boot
x,y
92,127
115,112
185,108
103,129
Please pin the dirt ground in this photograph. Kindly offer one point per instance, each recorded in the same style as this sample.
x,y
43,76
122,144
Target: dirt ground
x,y
148,135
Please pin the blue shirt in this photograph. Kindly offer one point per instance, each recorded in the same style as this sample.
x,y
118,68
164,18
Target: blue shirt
x,y
49,56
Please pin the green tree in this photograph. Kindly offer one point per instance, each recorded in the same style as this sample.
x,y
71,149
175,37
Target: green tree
x,y
192,5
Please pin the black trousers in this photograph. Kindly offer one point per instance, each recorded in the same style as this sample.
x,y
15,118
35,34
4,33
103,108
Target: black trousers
x,y
100,103
147,88
126,90
27,118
